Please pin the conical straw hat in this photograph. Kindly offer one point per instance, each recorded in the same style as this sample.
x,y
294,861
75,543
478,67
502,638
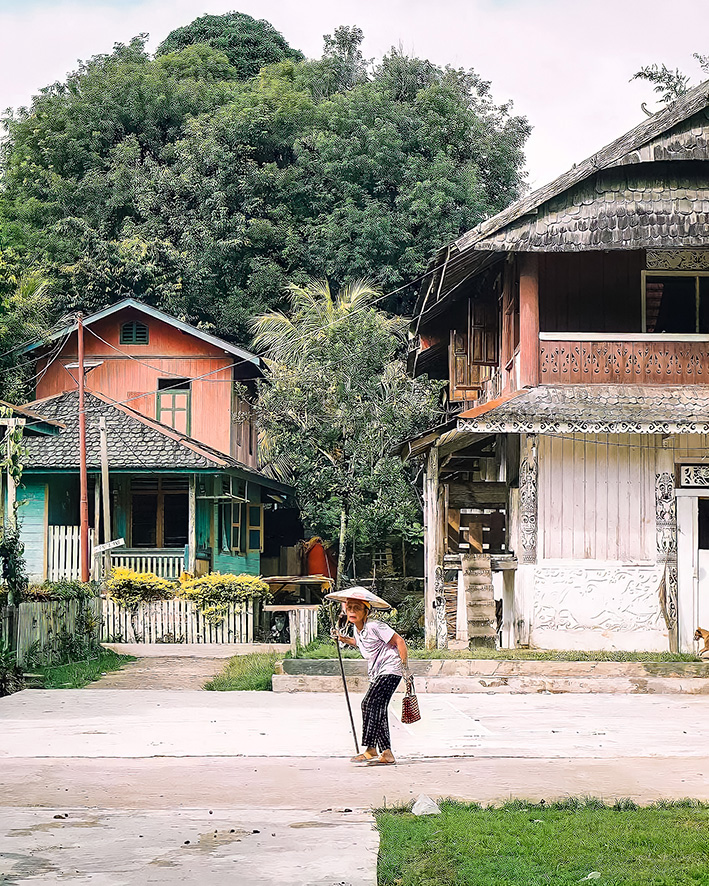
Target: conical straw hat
x,y
361,594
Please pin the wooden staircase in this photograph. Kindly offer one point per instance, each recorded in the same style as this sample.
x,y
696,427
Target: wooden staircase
x,y
480,600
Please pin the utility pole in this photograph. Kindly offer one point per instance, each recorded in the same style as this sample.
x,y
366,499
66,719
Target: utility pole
x,y
105,491
84,553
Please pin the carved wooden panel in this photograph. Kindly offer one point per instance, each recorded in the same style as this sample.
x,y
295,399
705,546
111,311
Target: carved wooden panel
x,y
602,362
678,259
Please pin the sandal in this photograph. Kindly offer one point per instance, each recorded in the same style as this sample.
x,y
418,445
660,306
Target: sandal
x,y
382,762
363,758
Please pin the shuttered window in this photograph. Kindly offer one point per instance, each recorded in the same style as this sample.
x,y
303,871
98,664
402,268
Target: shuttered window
x,y
134,333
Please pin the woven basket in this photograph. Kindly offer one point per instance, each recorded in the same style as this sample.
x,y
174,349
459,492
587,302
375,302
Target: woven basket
x,y
410,712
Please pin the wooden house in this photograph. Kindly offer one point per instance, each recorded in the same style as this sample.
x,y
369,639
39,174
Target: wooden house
x,y
185,488
571,481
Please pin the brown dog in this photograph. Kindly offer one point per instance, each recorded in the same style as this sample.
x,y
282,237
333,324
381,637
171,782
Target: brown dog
x,y
701,634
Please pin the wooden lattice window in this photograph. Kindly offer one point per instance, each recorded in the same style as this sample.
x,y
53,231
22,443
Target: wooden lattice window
x,y
134,333
254,528
230,514
173,403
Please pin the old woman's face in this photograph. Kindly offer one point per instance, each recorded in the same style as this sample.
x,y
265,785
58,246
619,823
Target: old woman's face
x,y
356,613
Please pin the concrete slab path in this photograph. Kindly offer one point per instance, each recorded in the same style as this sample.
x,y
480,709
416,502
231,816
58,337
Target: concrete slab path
x,y
159,762
266,847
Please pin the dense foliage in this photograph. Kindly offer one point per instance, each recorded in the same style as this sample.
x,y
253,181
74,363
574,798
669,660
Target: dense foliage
x,y
248,44
174,179
66,589
12,566
335,401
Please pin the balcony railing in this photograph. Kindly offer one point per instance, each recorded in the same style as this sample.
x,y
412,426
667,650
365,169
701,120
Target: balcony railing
x,y
592,358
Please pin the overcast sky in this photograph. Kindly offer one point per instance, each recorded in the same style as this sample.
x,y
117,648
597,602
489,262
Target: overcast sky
x,y
564,63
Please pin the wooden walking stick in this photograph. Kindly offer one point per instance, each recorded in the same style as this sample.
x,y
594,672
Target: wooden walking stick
x,y
344,680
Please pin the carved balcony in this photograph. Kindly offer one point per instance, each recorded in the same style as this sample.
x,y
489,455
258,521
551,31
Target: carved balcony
x,y
634,358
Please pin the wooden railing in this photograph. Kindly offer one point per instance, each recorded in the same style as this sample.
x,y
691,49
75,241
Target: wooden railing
x,y
568,358
165,562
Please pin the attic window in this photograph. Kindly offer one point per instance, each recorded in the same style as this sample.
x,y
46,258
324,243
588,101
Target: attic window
x,y
134,333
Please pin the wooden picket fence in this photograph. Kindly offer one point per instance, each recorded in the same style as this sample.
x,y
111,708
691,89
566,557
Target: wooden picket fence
x,y
43,626
175,621
63,546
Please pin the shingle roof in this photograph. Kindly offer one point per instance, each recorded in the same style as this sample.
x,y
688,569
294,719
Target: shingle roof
x,y
601,409
658,131
617,209
35,424
134,441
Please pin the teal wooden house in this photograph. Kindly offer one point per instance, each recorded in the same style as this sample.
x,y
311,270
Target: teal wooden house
x,y
177,503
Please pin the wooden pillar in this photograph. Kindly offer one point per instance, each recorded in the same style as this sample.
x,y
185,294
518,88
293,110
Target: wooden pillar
x,y
105,494
11,485
527,531
192,526
529,319
433,544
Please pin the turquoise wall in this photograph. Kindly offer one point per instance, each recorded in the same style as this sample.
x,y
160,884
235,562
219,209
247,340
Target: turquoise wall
x,y
251,563
31,498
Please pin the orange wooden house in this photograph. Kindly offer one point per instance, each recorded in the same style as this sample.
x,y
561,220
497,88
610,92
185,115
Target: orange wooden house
x,y
186,490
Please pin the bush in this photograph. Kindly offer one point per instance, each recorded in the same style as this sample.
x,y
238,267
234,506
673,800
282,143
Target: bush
x,y
213,594
10,674
130,589
50,591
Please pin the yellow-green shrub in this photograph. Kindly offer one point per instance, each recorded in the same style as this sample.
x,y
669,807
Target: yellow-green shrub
x,y
130,589
213,594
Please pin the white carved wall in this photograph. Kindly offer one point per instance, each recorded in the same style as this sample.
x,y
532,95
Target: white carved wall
x,y
591,605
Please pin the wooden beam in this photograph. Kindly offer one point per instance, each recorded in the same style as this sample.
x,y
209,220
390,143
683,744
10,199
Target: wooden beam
x,y
476,494
529,319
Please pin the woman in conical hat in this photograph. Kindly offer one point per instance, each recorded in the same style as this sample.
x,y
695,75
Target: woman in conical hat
x,y
387,661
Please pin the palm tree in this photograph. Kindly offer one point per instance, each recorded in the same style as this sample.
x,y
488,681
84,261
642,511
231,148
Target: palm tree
x,y
314,312
290,340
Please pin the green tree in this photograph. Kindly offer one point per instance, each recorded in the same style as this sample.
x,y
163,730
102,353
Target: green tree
x,y
24,316
172,179
335,400
248,43
669,84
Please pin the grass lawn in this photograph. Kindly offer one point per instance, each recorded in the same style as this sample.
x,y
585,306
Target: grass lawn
x,y
242,672
521,844
78,673
320,649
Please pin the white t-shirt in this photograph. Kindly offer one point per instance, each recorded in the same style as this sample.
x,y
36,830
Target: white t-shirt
x,y
373,642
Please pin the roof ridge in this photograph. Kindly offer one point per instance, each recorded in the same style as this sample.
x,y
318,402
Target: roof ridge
x,y
130,302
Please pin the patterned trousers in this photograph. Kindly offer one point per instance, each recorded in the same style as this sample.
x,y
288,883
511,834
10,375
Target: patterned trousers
x,y
375,715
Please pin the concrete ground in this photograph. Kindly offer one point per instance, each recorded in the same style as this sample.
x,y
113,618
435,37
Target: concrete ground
x,y
109,786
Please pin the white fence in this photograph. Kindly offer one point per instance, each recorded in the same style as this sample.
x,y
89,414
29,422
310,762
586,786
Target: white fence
x,y
63,545
175,621
166,564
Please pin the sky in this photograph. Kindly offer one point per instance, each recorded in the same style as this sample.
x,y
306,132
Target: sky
x,y
565,64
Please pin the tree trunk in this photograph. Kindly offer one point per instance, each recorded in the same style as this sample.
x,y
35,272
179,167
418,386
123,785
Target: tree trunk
x,y
342,552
